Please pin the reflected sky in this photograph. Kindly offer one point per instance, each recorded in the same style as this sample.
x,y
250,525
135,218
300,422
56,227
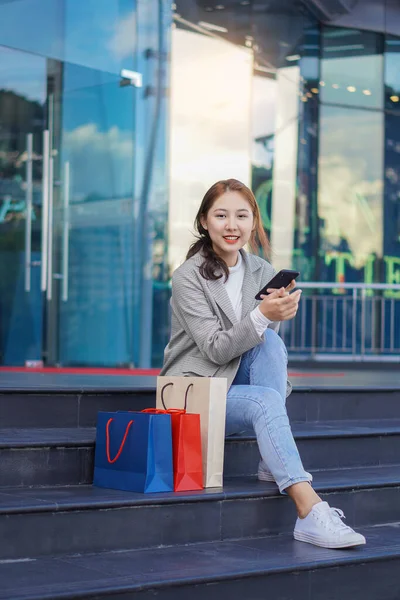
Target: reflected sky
x,y
351,180
97,33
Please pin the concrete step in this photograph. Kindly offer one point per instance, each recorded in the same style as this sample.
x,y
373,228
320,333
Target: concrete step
x,y
76,519
268,567
64,456
79,407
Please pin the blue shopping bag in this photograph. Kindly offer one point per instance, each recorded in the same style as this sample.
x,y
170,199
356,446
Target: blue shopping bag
x,y
134,452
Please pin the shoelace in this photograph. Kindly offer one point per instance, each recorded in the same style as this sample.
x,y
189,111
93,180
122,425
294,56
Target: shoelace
x,y
337,515
332,519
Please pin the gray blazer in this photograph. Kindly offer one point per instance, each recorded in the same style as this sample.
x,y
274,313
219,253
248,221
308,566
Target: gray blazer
x,y
207,339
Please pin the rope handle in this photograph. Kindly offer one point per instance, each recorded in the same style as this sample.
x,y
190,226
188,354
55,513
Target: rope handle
x,y
160,411
186,395
111,461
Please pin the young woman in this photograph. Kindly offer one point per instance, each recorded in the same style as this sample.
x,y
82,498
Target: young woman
x,y
220,330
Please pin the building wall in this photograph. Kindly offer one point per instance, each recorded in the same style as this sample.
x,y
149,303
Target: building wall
x,y
305,112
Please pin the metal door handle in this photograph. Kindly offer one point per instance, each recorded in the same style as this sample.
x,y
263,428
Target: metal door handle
x,y
45,208
28,220
65,256
50,232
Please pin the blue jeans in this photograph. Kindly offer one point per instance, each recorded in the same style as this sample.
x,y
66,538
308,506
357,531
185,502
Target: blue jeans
x,y
257,403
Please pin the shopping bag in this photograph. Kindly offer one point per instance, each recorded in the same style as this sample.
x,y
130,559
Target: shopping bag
x,y
186,446
206,397
134,452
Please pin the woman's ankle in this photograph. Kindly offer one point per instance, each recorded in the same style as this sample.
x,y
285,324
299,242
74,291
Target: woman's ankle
x,y
304,497
303,512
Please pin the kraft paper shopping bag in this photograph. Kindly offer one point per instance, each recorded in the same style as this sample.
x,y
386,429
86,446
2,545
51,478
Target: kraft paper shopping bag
x,y
206,397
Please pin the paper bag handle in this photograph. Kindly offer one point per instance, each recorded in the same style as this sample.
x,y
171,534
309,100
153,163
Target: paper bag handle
x,y
113,460
186,395
160,411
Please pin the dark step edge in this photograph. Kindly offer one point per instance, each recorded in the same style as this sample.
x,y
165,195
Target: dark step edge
x,y
61,390
36,444
355,557
298,389
266,490
318,435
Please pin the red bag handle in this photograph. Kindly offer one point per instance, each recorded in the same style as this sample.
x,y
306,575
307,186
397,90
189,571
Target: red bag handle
x,y
111,461
160,411
186,395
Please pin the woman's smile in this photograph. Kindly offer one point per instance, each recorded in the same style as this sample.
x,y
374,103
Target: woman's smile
x,y
231,239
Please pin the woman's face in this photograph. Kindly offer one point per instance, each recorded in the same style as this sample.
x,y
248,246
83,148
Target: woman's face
x,y
229,223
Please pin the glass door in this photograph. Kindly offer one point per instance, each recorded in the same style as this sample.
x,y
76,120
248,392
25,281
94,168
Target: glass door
x,y
90,299
24,142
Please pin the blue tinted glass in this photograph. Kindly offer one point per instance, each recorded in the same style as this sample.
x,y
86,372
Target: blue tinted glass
x,y
22,103
151,289
352,67
98,144
101,33
33,25
96,33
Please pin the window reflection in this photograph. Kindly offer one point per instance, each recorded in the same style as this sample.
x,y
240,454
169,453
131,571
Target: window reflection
x,y
392,73
392,192
101,33
98,141
33,25
211,89
351,67
350,184
96,33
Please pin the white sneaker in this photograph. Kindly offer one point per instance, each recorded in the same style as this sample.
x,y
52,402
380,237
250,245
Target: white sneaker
x,y
324,527
265,475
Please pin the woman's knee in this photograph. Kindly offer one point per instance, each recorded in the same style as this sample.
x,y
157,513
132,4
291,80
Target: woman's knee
x,y
268,405
273,344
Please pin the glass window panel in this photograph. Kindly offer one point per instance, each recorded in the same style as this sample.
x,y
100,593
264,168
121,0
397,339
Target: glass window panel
x,y
392,73
33,25
351,67
204,145
350,188
22,114
392,193
100,33
98,142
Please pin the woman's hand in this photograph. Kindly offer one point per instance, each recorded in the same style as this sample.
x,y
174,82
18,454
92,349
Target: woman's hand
x,y
280,305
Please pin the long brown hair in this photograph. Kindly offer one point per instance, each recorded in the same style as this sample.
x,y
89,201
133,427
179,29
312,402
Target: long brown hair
x,y
214,267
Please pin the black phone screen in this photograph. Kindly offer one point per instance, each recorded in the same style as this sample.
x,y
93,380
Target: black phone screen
x,y
281,279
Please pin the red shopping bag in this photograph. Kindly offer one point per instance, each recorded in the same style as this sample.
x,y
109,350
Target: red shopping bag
x,y
186,446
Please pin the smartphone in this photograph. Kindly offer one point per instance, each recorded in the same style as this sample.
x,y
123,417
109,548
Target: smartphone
x,y
281,279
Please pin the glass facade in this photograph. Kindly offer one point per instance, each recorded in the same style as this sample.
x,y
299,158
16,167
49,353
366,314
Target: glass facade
x,y
83,180
117,115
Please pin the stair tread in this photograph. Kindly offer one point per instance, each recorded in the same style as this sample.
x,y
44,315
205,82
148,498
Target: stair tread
x,y
87,497
302,379
77,576
78,436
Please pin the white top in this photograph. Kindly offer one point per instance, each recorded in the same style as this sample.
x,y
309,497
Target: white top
x,y
234,290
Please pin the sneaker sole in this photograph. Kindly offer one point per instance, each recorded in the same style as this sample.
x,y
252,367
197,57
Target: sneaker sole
x,y
309,539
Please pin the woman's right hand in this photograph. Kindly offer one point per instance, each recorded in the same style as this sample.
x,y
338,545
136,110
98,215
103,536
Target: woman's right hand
x,y
280,305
